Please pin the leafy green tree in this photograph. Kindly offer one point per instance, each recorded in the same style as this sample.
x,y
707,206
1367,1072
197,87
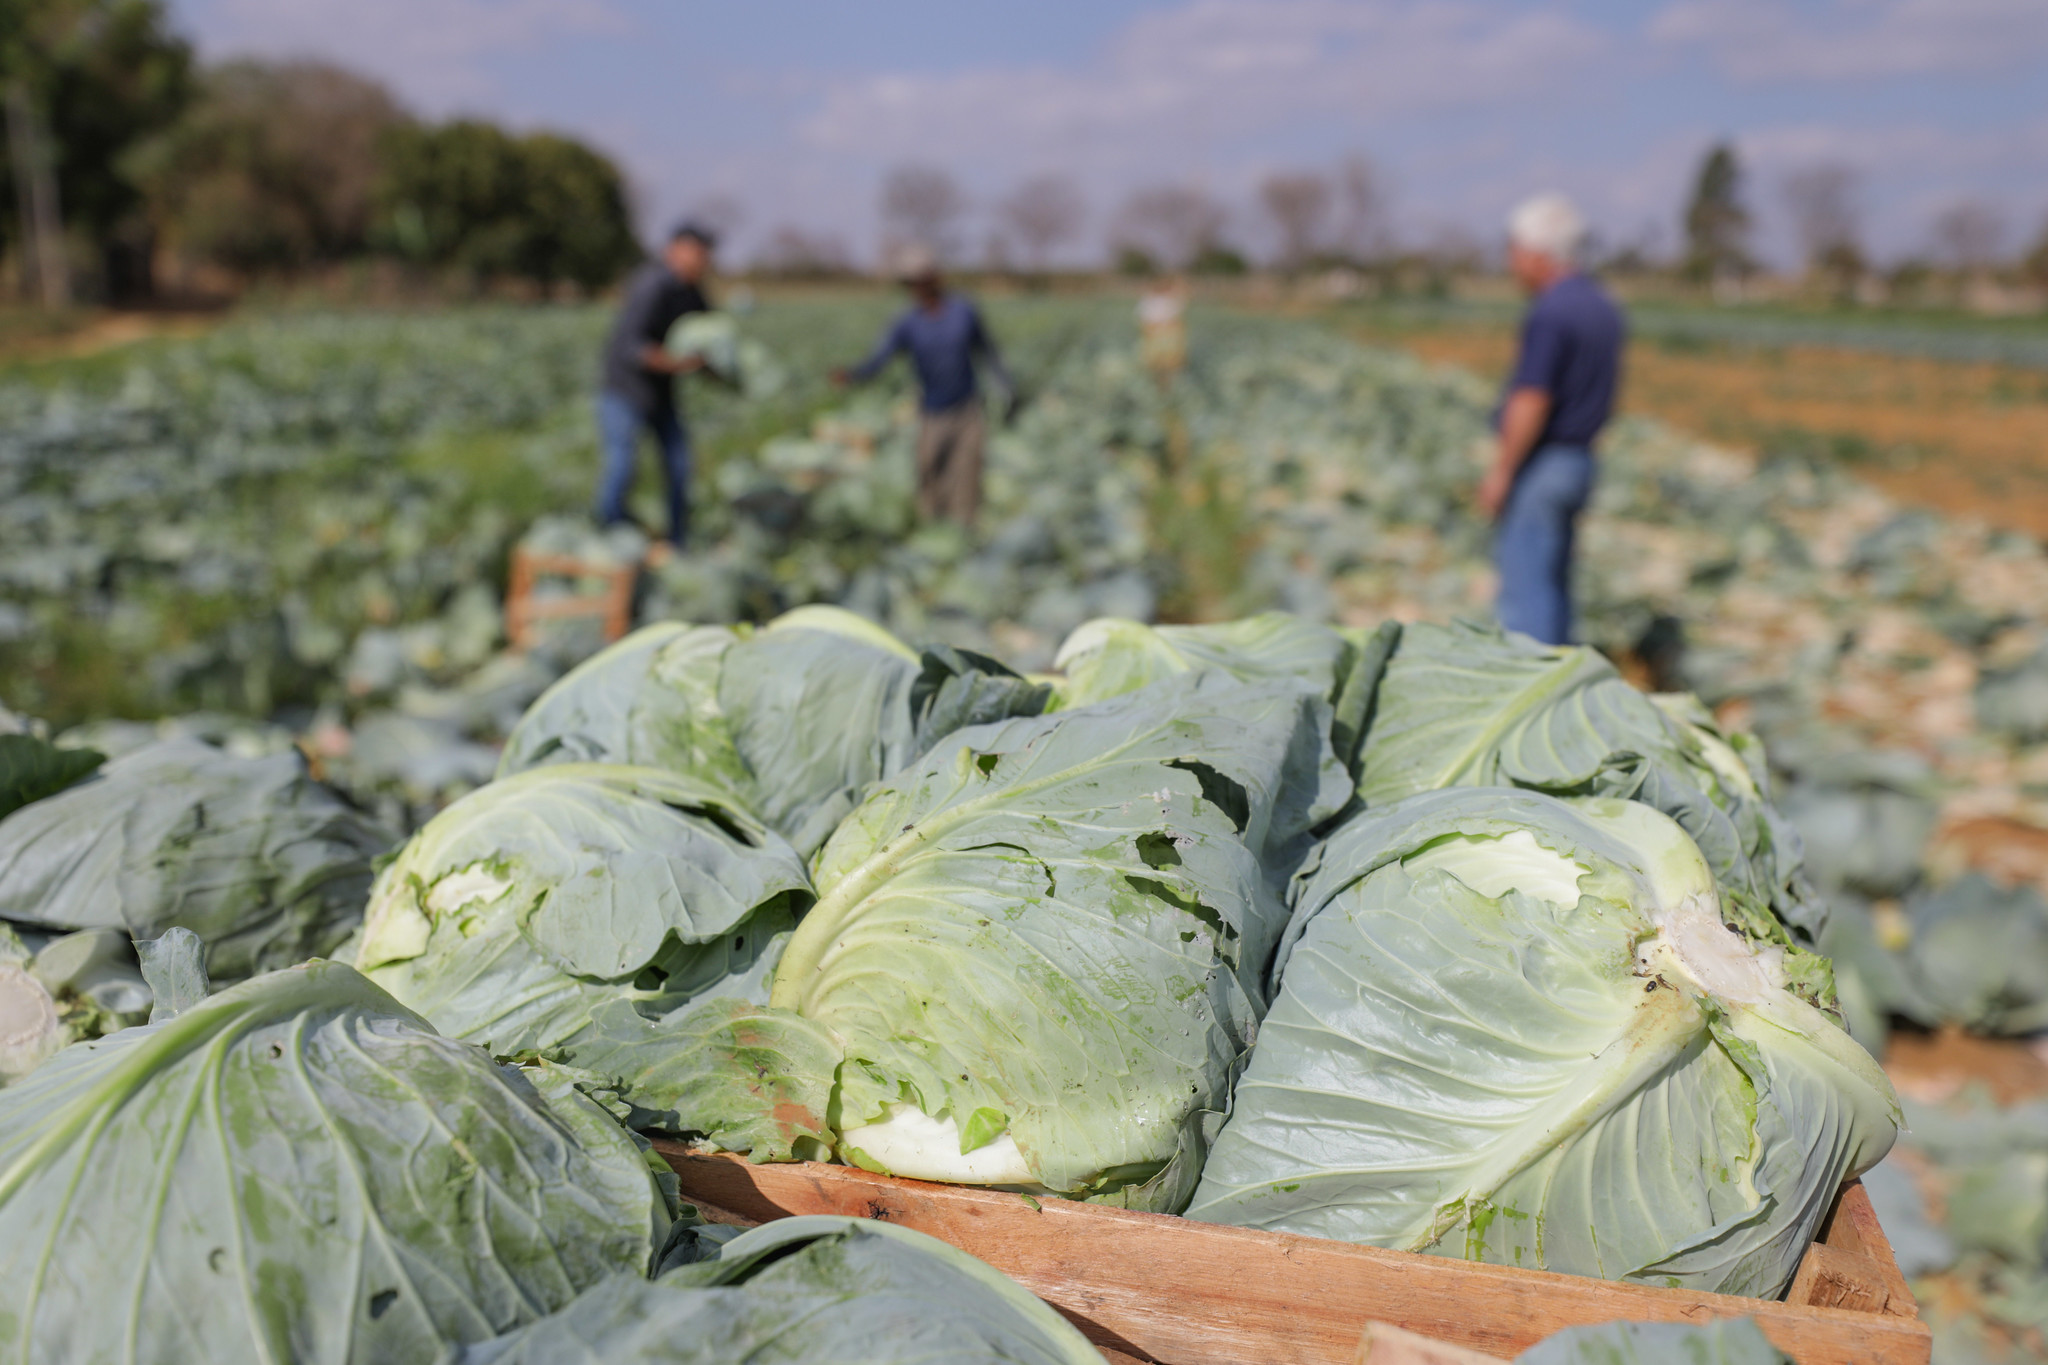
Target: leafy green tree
x,y
94,77
1717,221
469,195
272,168
579,224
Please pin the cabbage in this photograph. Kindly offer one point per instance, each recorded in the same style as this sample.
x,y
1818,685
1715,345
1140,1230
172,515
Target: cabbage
x,y
1469,706
1110,656
651,700
713,337
299,1169
811,1290
266,865
1513,1028
792,720
530,903
1978,956
1035,958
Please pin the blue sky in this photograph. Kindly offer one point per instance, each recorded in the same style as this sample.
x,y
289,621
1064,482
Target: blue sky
x,y
796,108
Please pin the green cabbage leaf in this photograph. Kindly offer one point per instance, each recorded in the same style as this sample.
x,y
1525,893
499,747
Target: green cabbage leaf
x,y
1469,706
793,720
300,1169
531,903
1514,1028
265,864
811,1290
1036,955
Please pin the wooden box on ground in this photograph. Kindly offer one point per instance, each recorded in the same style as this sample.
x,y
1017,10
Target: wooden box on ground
x,y
1155,1288
611,602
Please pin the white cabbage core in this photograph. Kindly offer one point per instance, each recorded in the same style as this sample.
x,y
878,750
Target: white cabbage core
x,y
911,1143
29,1028
1494,865
475,884
1691,945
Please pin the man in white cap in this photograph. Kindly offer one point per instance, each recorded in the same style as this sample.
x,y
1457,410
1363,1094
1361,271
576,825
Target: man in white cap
x,y
1555,403
943,334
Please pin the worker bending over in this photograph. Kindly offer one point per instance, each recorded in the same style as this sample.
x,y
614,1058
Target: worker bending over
x,y
943,334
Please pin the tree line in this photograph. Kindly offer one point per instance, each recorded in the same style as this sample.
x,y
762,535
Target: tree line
x,y
127,159
1968,242
1319,219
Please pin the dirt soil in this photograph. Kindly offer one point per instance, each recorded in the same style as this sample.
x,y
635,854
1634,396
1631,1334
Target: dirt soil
x,y
1969,439
1934,1066
27,340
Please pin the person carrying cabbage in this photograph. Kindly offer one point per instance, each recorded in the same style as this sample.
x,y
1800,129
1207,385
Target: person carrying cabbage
x,y
638,388
1556,402
943,334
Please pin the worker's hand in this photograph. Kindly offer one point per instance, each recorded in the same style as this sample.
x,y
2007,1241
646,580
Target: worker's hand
x,y
841,377
687,364
1493,490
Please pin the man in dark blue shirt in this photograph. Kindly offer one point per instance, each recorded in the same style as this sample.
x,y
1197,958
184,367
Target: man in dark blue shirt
x,y
1556,402
943,334
638,390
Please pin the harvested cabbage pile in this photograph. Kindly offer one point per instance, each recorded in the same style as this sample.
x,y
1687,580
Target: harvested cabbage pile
x,y
1537,947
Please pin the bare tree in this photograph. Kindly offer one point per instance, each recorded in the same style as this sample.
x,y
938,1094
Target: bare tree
x,y
1043,214
1968,235
1171,224
1362,212
1826,208
922,204
793,251
1299,205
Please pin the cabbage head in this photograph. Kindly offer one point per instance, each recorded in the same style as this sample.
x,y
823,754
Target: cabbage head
x,y
300,1169
1514,1028
792,720
265,864
712,337
1470,706
1112,655
1036,956
810,1290
532,902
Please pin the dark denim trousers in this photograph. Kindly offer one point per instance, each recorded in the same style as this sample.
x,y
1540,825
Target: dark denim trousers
x,y
618,428
1532,545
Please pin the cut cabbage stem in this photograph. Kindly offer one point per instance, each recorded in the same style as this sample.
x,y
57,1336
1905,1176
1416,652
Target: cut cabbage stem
x,y
909,1142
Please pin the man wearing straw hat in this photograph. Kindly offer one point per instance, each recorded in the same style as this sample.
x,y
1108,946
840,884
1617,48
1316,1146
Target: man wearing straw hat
x,y
943,334
1555,403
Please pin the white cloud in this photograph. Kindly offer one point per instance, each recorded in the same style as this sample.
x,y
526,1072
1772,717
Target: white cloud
x,y
1769,40
433,52
1211,72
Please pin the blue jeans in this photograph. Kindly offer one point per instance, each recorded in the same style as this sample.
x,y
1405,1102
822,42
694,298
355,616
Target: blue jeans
x,y
1532,545
618,427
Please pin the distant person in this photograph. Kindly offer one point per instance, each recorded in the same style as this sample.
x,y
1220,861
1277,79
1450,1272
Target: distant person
x,y
943,334
1554,405
639,378
1163,328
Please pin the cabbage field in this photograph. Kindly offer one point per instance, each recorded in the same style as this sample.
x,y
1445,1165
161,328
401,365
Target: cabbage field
x,y
1320,909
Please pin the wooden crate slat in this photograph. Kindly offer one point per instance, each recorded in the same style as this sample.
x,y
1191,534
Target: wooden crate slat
x,y
1184,1293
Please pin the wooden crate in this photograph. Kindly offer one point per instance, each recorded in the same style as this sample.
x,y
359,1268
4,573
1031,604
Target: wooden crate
x,y
613,604
1153,1288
